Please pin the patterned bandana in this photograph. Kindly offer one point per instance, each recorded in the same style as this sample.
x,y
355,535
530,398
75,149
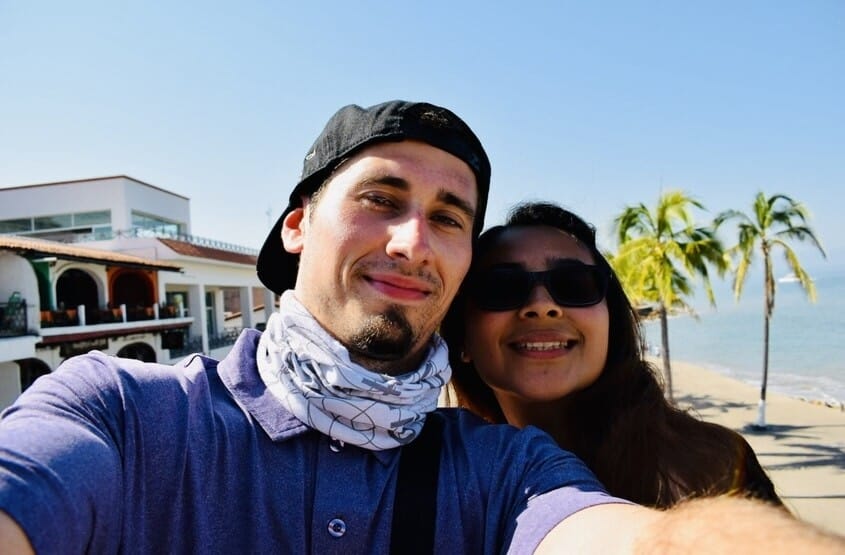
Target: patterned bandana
x,y
310,373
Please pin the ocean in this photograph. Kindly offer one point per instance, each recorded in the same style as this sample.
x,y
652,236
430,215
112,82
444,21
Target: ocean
x,y
807,340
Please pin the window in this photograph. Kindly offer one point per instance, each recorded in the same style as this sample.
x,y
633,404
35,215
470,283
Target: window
x,y
158,225
53,222
95,221
22,225
92,218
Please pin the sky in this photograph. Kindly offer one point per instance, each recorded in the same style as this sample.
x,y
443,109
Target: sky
x,y
594,105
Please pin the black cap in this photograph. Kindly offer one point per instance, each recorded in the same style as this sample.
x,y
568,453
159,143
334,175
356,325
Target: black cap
x,y
351,129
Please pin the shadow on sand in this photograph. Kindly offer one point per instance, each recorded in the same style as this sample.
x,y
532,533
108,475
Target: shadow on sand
x,y
707,403
797,446
796,455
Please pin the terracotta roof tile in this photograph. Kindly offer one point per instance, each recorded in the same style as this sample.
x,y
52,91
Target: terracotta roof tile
x,y
198,251
43,247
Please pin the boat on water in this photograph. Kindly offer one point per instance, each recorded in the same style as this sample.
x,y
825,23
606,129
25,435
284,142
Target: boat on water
x,y
789,278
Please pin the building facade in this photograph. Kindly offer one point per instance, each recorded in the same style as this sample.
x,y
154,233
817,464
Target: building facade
x,y
109,264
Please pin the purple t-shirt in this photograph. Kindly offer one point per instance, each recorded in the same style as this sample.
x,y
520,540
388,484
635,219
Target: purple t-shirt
x,y
112,455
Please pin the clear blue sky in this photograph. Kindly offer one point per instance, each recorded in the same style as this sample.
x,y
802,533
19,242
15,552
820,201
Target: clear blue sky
x,y
596,105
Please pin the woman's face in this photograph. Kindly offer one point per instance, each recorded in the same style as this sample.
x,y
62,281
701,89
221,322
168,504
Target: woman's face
x,y
541,351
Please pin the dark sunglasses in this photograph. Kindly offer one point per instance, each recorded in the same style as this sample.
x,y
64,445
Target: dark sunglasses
x,y
571,284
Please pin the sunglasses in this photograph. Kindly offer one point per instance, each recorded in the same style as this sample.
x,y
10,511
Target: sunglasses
x,y
571,284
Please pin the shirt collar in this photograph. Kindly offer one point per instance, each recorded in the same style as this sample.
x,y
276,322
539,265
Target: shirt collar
x,y
239,374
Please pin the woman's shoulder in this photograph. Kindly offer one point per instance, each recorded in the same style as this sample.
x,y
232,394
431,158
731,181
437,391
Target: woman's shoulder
x,y
465,427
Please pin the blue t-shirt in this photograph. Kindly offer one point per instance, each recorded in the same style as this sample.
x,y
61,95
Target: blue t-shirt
x,y
111,455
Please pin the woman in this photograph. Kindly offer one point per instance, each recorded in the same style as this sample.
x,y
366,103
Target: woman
x,y
543,334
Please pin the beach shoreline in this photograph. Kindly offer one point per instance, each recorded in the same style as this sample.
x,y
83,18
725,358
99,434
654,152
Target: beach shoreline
x,y
835,404
776,385
802,449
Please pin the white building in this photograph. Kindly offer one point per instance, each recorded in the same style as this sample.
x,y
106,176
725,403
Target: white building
x,y
109,264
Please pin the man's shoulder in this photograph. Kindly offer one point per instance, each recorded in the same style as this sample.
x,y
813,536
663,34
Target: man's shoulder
x,y
463,421
102,367
454,416
463,427
99,380
507,467
502,448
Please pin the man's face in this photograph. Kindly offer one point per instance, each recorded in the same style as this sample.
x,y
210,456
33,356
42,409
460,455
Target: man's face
x,y
384,248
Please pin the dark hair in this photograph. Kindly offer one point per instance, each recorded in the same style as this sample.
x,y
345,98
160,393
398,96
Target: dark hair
x,y
639,445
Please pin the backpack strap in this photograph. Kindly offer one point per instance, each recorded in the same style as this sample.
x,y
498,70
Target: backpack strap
x,y
415,505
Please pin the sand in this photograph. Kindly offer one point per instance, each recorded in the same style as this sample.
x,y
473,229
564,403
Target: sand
x,y
803,448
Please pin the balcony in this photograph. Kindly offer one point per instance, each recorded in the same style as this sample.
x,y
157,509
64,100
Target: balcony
x,y
71,317
70,325
13,318
228,337
194,344
191,345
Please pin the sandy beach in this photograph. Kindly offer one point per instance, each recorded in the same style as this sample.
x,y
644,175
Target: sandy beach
x,y
803,449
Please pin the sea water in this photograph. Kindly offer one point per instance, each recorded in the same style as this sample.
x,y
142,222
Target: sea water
x,y
806,341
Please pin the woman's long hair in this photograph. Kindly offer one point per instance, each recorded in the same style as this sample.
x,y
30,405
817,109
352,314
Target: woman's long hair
x,y
640,446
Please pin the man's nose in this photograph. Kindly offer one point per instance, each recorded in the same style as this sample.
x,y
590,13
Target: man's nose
x,y
410,238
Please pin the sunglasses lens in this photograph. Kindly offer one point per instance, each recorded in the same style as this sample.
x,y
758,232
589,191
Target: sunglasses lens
x,y
577,285
570,284
501,289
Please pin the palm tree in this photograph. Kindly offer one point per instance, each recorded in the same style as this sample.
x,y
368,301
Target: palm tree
x,y
776,220
661,254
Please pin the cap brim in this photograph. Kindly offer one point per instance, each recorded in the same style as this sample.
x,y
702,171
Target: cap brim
x,y
277,267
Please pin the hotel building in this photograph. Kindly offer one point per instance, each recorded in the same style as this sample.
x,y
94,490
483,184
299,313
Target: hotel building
x,y
110,264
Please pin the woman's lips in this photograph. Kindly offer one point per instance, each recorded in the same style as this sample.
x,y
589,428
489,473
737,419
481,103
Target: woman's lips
x,y
543,344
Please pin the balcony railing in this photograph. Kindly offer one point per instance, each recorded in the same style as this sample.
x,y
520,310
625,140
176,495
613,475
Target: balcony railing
x,y
228,337
13,319
191,345
160,233
71,316
194,344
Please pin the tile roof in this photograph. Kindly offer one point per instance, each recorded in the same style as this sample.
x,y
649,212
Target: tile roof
x,y
198,251
31,247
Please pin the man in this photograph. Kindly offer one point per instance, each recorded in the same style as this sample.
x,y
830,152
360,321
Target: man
x,y
306,438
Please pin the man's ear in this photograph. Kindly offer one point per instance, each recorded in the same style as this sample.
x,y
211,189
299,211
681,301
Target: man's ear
x,y
292,232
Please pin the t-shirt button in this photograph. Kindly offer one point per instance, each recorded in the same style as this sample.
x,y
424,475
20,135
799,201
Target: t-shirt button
x,y
337,527
335,445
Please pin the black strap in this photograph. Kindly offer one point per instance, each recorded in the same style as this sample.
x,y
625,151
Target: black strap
x,y
415,505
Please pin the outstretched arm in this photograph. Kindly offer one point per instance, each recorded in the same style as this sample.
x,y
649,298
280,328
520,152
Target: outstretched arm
x,y
707,525
12,539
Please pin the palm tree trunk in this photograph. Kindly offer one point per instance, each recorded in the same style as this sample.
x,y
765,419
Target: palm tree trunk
x,y
664,338
761,407
768,299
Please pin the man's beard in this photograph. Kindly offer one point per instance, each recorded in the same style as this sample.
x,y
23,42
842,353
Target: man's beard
x,y
383,337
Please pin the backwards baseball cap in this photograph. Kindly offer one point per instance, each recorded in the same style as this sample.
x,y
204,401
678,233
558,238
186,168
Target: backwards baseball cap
x,y
351,129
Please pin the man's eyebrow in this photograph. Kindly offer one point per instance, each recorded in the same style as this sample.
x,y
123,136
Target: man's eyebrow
x,y
389,180
443,195
456,201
